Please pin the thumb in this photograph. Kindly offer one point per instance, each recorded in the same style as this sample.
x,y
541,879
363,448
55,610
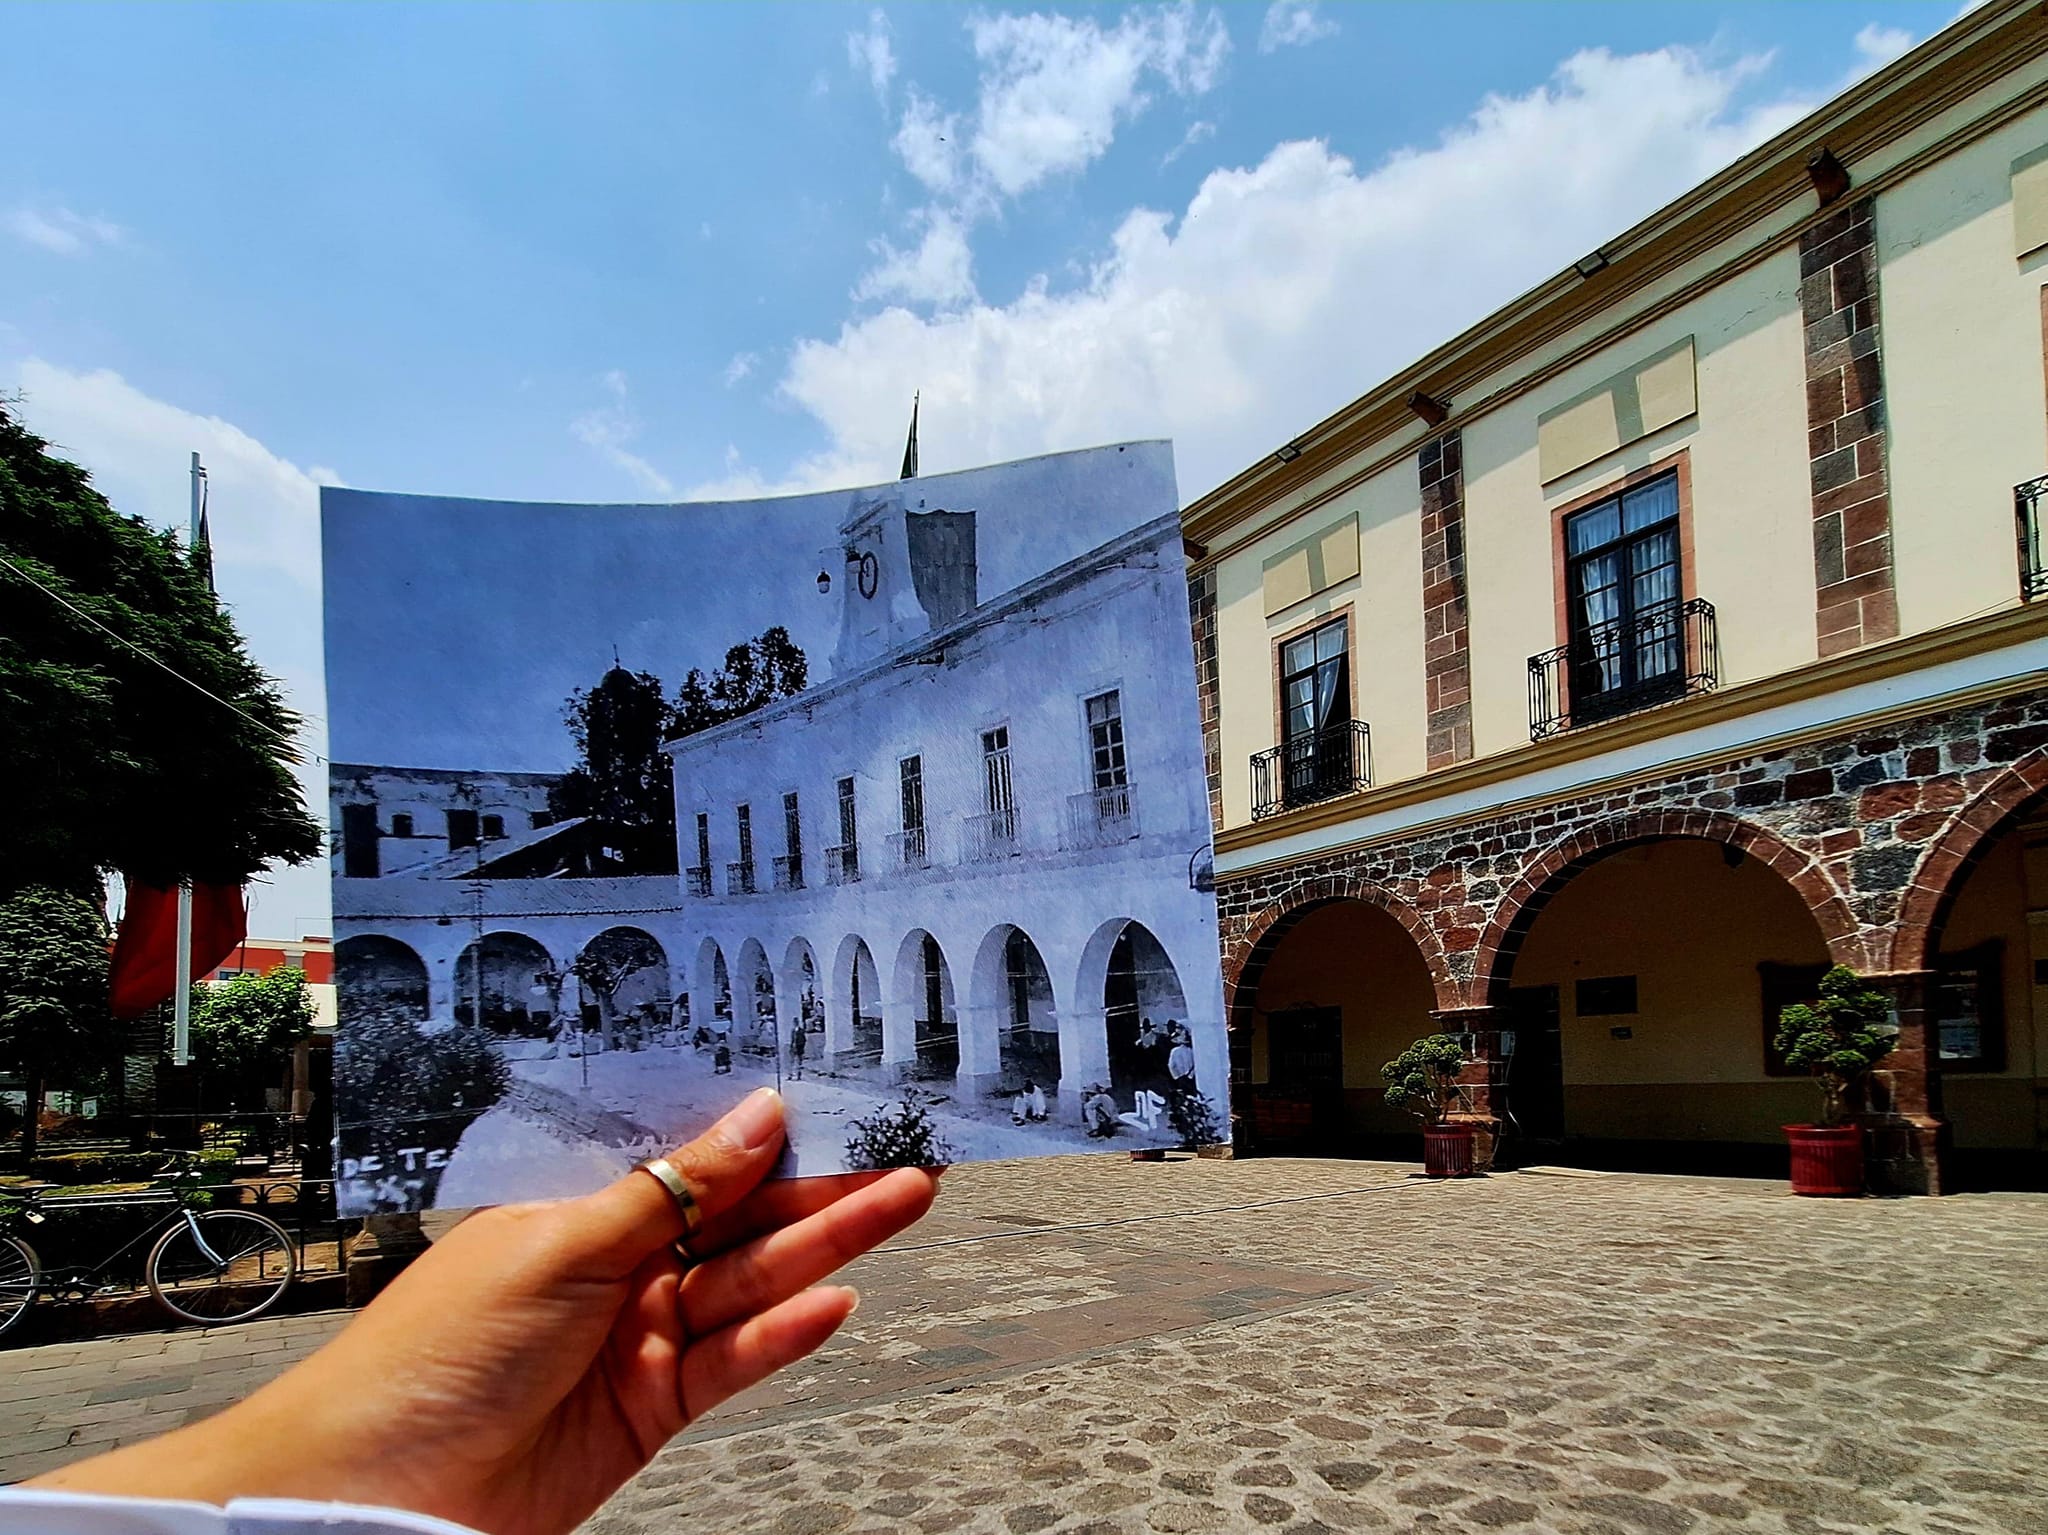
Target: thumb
x,y
635,1216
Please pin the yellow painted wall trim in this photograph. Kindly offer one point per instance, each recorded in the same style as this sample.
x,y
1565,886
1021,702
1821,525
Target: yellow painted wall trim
x,y
2030,202
1326,558
1889,105
1915,652
1628,406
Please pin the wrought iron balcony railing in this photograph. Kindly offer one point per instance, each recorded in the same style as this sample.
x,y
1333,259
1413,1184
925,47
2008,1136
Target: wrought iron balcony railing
x,y
989,837
1305,769
739,879
842,864
907,848
2026,508
698,879
789,871
1669,650
1101,817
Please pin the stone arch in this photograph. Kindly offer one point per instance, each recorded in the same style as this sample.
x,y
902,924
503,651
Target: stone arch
x,y
1552,869
373,971
1245,965
921,987
713,982
756,1016
1947,863
498,983
623,972
857,997
1013,1000
1128,973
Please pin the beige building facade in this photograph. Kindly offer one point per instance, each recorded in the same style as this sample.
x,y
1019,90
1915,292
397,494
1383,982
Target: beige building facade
x,y
1593,684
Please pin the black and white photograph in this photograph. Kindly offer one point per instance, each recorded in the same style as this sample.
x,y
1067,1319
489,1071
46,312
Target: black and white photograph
x,y
891,798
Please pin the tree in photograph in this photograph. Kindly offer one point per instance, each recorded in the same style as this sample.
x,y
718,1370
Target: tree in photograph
x,y
623,780
53,990
607,962
110,761
1839,1038
245,1029
897,1135
415,1091
755,674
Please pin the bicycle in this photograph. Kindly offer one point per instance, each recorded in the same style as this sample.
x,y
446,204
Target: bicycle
x,y
210,1266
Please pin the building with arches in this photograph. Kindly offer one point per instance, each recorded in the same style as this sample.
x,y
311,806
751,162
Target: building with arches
x,y
1589,687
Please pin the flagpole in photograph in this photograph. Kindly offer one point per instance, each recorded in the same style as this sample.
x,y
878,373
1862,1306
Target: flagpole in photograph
x,y
181,999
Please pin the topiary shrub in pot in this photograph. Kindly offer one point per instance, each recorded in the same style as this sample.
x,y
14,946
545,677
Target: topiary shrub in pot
x,y
1839,1038
1423,1079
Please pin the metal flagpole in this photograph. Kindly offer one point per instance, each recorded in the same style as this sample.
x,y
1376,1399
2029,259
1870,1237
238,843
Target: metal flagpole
x,y
181,1001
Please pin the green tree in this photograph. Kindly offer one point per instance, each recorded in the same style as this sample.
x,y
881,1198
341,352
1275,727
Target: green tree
x,y
53,988
109,761
244,1030
1423,1079
623,780
1838,1038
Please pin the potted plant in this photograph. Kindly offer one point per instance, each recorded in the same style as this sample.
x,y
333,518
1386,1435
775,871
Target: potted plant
x,y
1423,1079
1838,1038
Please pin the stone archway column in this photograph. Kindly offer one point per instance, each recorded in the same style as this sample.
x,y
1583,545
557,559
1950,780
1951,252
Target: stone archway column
x,y
838,1009
1084,1053
981,1054
1485,1075
441,991
1906,1132
899,1037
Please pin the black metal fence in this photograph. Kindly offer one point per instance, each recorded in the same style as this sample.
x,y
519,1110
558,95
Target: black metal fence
x,y
1667,651
2026,509
1305,769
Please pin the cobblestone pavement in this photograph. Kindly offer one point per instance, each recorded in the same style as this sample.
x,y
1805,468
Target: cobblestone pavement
x,y
1329,1346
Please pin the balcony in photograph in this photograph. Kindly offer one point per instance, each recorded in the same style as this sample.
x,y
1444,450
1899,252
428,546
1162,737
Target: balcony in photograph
x,y
1101,817
989,837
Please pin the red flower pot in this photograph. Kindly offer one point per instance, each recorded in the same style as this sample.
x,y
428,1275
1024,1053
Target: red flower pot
x,y
1827,1160
1447,1151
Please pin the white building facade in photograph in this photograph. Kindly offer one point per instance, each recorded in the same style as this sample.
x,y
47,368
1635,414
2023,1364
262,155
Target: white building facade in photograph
x,y
977,843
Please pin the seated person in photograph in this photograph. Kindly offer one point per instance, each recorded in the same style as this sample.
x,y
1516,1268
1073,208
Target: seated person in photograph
x,y
721,1057
533,1359
1028,1107
1098,1110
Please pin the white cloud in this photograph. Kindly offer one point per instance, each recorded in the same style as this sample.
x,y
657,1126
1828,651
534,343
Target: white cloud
x,y
61,231
1053,88
740,368
611,429
1196,133
1283,289
928,143
1293,23
1877,46
870,53
263,516
939,270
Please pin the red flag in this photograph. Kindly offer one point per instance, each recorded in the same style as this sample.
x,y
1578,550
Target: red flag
x,y
145,969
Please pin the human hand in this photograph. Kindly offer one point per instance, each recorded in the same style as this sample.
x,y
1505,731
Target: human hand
x,y
538,1355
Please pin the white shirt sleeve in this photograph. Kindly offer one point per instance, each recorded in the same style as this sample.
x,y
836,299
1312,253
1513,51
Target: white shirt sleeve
x,y
36,1511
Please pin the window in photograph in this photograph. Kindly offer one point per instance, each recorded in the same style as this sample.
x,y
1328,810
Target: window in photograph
x,y
910,795
1106,739
461,829
494,826
792,826
1605,996
1968,1001
997,785
401,825
1624,600
843,862
745,819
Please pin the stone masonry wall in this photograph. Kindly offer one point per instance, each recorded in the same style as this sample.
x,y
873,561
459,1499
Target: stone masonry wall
x,y
1871,828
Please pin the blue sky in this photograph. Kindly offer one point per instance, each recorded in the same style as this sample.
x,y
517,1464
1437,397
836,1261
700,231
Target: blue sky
x,y
605,253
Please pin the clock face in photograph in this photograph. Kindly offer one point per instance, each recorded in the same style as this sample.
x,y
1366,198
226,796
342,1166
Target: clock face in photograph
x,y
869,575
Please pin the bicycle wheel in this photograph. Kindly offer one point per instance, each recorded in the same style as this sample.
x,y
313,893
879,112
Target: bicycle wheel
x,y
20,1272
238,1268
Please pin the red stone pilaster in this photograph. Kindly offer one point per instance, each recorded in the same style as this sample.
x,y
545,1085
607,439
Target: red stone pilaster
x,y
1906,1133
1855,600
1447,661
